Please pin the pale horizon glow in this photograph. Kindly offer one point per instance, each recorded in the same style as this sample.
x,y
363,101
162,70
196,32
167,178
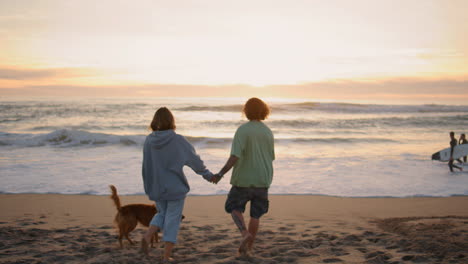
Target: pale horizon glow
x,y
224,43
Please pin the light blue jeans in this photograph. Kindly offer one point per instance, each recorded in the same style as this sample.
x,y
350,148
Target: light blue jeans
x,y
168,218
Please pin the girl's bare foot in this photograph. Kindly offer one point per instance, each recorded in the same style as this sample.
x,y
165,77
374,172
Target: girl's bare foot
x,y
168,260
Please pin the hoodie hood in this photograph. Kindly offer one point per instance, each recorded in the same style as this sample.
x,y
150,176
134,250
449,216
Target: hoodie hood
x,y
159,139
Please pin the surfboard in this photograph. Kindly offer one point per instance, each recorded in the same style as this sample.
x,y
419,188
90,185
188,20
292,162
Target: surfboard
x,y
458,152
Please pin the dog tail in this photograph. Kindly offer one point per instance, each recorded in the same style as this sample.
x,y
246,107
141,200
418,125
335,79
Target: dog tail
x,y
115,197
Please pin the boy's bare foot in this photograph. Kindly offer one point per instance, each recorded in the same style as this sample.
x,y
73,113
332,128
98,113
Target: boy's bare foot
x,y
144,247
244,243
250,245
250,250
249,253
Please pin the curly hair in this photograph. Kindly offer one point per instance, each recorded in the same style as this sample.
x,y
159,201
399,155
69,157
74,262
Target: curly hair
x,y
163,120
256,109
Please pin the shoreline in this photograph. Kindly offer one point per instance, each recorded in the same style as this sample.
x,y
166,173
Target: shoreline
x,y
269,194
59,228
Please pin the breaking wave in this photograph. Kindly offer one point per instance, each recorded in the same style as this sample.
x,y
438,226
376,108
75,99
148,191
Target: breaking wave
x,y
77,138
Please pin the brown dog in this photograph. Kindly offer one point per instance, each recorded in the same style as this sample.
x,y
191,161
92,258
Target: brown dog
x,y
130,215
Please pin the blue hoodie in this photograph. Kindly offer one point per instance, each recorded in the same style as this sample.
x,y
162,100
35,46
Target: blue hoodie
x,y
165,153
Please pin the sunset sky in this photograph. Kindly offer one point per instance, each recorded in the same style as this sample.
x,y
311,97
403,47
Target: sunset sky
x,y
360,49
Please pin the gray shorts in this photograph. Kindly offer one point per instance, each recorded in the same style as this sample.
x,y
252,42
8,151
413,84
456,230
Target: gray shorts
x,y
239,196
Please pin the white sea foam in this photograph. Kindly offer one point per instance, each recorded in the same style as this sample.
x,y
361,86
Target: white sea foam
x,y
342,149
68,138
77,138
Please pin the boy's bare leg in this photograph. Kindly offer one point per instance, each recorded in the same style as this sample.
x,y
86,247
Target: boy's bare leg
x,y
168,246
246,236
253,229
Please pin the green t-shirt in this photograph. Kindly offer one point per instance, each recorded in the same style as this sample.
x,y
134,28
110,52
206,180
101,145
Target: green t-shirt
x,y
253,144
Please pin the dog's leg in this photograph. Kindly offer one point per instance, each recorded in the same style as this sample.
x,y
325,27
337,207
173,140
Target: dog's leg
x,y
127,232
128,238
120,239
154,238
130,225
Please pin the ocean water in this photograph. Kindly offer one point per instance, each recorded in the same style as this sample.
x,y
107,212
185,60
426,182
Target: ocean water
x,y
81,145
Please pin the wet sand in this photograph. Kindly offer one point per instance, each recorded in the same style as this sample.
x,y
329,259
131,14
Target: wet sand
x,y
49,228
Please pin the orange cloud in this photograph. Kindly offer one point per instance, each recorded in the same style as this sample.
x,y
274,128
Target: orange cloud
x,y
10,73
453,90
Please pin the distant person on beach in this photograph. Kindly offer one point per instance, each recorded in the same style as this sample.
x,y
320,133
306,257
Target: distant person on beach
x,y
252,155
462,141
165,153
453,143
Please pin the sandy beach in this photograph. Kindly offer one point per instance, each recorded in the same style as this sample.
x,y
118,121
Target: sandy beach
x,y
49,228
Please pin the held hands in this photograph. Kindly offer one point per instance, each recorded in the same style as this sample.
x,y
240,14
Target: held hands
x,y
216,178
229,164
